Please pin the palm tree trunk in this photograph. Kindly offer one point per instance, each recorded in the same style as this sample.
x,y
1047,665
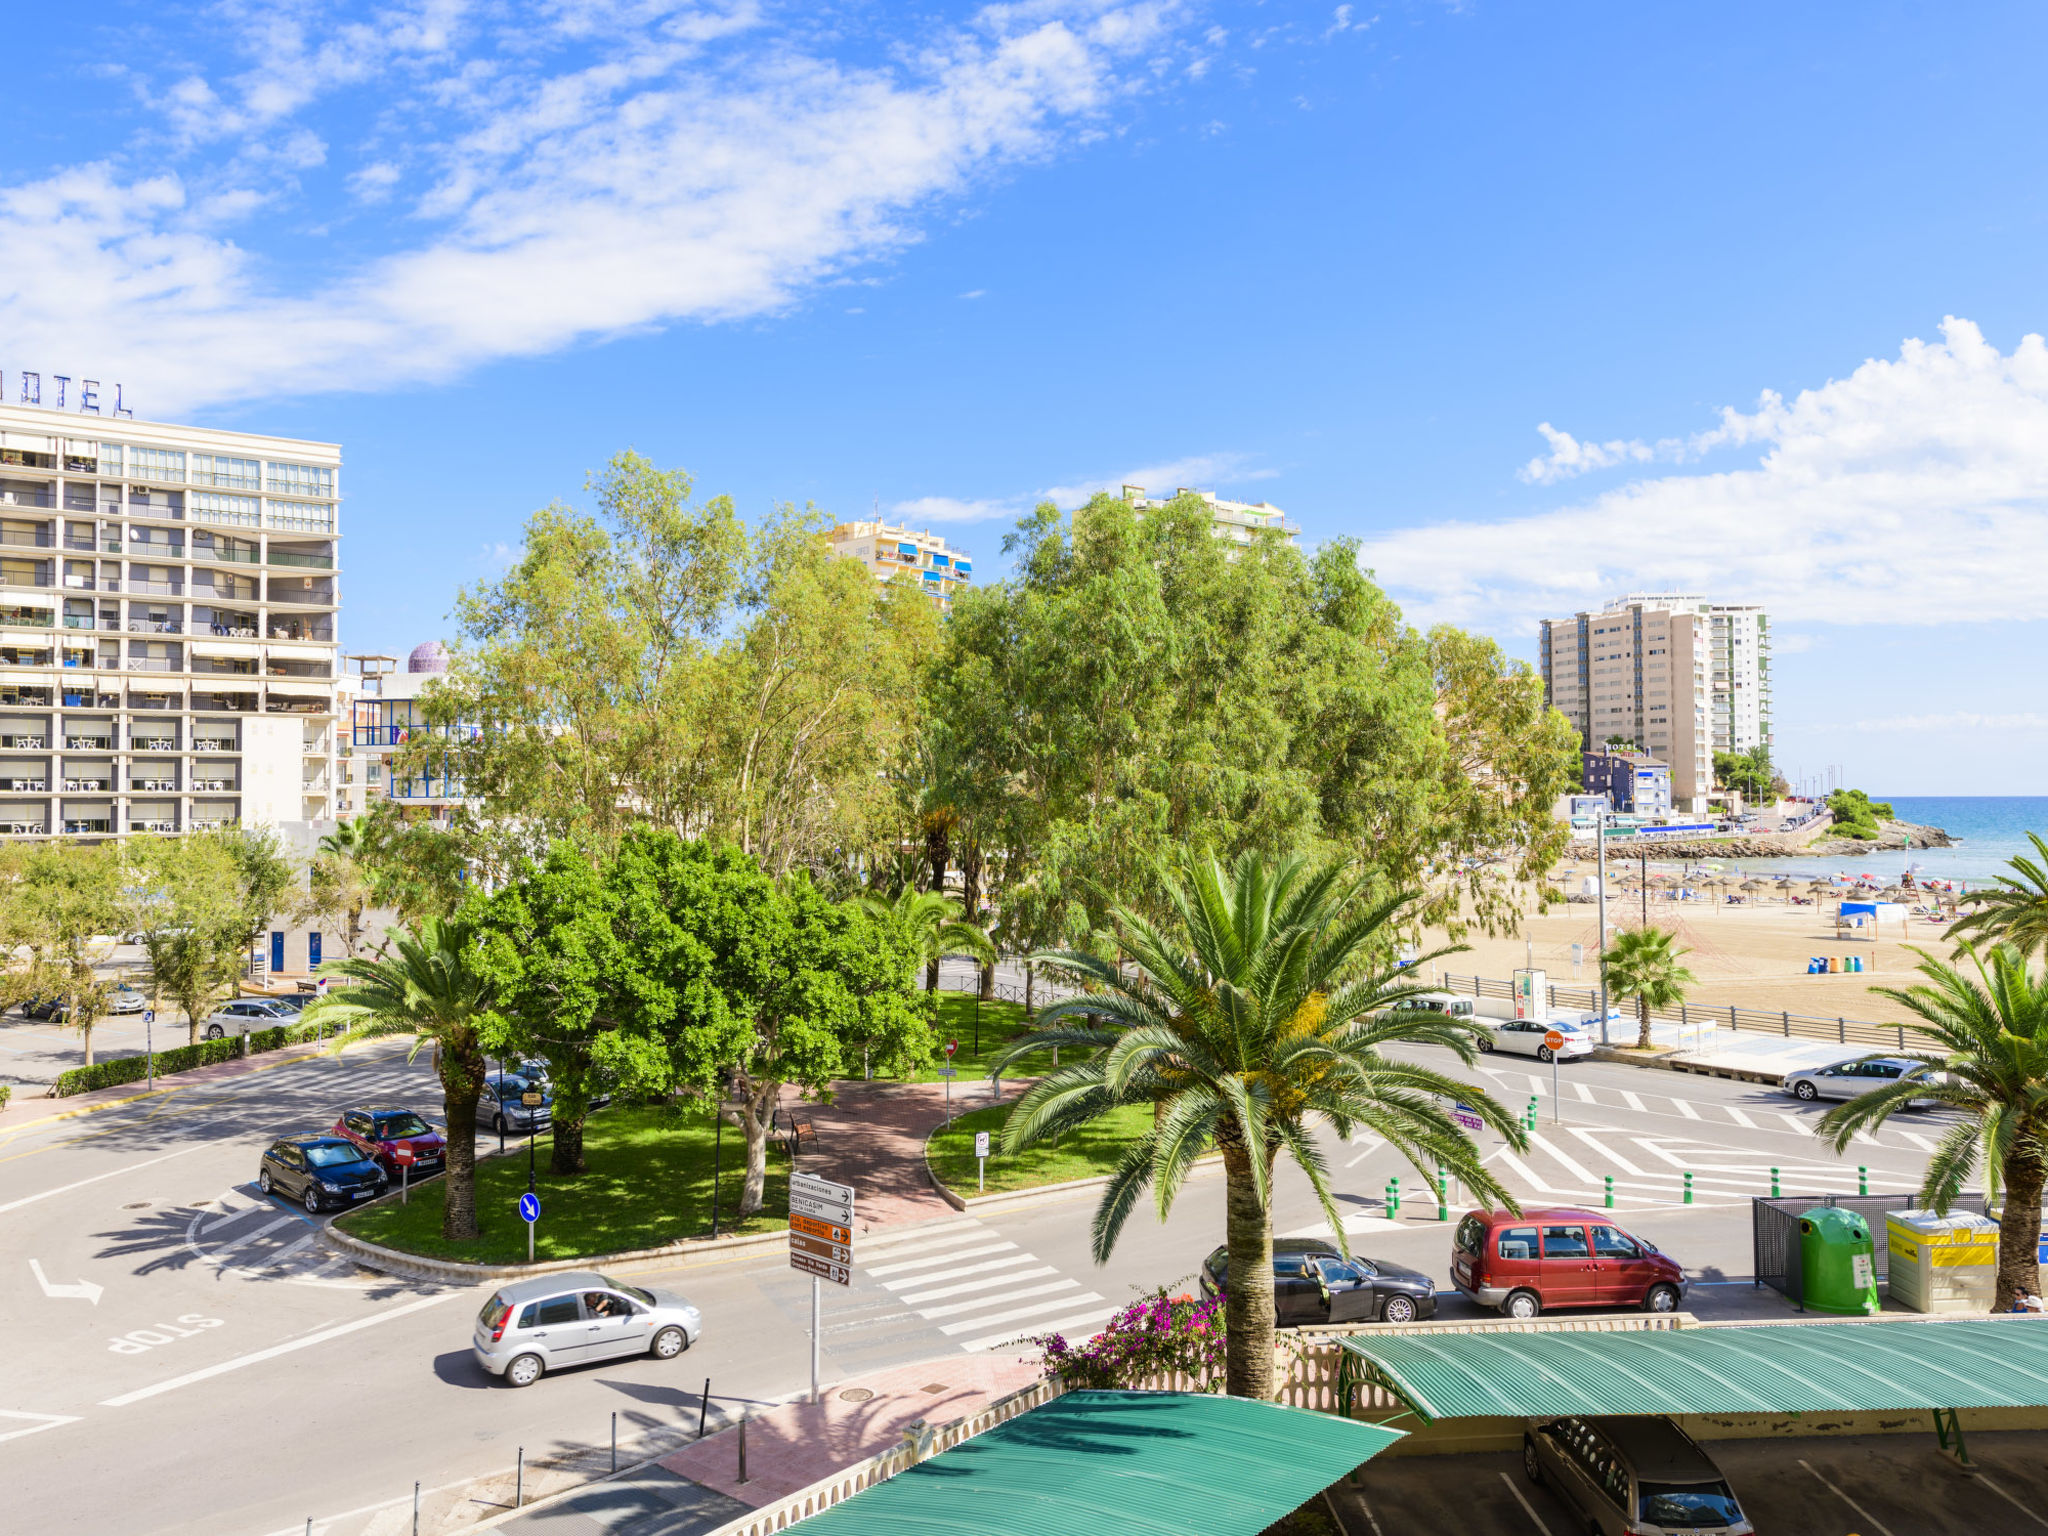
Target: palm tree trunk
x,y
1643,1019
566,1160
1248,1299
931,974
462,1083
2019,1228
1030,976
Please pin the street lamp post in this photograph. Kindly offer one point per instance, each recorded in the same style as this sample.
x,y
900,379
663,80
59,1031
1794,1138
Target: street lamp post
x,y
1600,845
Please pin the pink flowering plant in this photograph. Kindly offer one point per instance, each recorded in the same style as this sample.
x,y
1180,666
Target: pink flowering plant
x,y
1157,1335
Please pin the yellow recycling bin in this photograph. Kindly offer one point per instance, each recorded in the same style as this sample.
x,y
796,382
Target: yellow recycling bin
x,y
1942,1263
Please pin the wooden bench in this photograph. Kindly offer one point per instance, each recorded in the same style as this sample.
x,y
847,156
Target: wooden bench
x,y
801,1132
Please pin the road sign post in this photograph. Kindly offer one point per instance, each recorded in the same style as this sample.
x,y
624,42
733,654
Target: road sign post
x,y
1554,1042
981,1162
529,1212
403,1156
820,1245
149,1044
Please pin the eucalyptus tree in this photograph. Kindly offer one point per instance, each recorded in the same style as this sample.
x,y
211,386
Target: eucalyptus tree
x,y
1259,1007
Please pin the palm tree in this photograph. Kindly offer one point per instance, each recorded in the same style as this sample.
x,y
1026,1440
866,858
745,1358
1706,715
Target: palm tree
x,y
935,927
1259,1006
349,839
432,991
2015,911
1643,964
1991,1030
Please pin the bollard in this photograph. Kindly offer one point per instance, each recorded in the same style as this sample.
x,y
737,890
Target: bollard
x,y
415,1509
703,1407
1688,1186
1610,1191
519,1480
615,1442
1393,1199
743,1448
1529,1115
1774,1184
1862,1179
1443,1194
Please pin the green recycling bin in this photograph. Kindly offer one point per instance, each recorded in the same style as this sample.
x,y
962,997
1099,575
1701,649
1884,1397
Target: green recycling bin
x,y
1837,1268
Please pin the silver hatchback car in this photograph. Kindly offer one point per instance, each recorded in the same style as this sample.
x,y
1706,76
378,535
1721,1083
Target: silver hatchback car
x,y
1853,1079
534,1326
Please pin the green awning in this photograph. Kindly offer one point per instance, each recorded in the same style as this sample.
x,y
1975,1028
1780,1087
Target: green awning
x,y
1972,1362
1128,1462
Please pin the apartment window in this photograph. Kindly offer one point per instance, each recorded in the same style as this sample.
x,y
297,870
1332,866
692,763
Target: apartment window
x,y
110,458
299,519
229,474
233,511
300,480
162,464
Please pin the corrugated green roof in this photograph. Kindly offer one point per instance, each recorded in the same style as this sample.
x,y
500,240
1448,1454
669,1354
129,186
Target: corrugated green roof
x,y
1129,1462
1976,1362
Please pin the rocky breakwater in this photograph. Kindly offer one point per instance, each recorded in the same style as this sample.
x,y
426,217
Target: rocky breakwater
x,y
1892,837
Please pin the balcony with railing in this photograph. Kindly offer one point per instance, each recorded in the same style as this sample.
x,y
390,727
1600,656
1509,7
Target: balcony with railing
x,y
89,743
23,741
152,701
223,666
153,743
25,698
20,785
314,562
24,656
213,743
157,785
214,784
156,626
90,783
307,669
88,825
155,664
300,629
18,538
226,703
28,618
26,573
78,581
158,587
26,496
91,546
302,592
289,705
152,823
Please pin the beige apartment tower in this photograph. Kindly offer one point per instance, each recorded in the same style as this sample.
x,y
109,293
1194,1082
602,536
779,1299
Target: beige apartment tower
x,y
1668,673
167,609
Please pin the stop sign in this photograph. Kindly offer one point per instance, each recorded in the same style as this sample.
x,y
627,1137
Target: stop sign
x,y
1554,1040
403,1155
952,1046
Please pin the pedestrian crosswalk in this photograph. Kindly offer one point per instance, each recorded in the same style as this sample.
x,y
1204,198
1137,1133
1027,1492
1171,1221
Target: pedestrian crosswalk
x,y
975,1287
245,1234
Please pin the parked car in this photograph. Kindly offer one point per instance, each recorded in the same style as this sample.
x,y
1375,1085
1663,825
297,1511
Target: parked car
x,y
1633,1477
1438,1002
320,1171
534,1326
381,1129
1543,1259
291,1002
46,1008
499,1106
1314,1283
1526,1037
1851,1079
126,998
245,1013
599,1081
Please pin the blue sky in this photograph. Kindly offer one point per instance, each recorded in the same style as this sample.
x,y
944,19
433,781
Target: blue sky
x,y
1542,304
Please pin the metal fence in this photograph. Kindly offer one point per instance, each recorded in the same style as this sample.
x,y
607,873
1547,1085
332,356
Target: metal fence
x,y
1774,1234
1770,1021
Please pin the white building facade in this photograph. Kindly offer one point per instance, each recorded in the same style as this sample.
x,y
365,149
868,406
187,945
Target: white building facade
x,y
1235,522
890,551
383,719
168,598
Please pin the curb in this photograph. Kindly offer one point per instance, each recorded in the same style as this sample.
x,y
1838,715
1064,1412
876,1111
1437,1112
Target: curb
x,y
1700,1069
691,1250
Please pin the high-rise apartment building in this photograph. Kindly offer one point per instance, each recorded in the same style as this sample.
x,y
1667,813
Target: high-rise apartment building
x,y
889,551
1234,521
167,608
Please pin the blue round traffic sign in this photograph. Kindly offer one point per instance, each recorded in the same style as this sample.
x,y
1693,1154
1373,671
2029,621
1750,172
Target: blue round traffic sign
x,y
529,1206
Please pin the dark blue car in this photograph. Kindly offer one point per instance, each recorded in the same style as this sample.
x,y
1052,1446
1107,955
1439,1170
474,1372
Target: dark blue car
x,y
321,1171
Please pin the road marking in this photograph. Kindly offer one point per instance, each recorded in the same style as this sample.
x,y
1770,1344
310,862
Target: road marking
x,y
1918,1140
1865,1138
996,1340
236,1364
954,1309
84,1290
1739,1117
912,1298
1608,1152
1633,1102
967,1269
1876,1524
233,1209
1686,1109
39,1422
219,1255
291,1248
1036,1309
943,1258
1530,1509
1585,1093
1551,1149
1796,1123
65,1189
923,1237
2015,1503
1372,1145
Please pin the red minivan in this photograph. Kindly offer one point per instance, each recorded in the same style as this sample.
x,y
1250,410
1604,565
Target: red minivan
x,y
1530,1263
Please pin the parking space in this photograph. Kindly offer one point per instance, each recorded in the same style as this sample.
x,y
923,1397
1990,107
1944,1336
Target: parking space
x,y
1869,1485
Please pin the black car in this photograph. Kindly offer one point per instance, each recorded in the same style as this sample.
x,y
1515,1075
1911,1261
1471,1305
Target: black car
x,y
1314,1283
46,1008
321,1170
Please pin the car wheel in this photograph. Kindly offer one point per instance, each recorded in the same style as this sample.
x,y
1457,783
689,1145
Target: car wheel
x,y
1805,1091
1523,1304
1486,1042
1397,1309
498,1124
312,1198
523,1371
1531,1462
1543,1053
1661,1298
214,1032
263,1181
669,1343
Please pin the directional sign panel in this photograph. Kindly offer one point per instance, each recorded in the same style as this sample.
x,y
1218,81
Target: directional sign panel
x,y
823,1231
821,1228
817,1248
812,1187
838,1274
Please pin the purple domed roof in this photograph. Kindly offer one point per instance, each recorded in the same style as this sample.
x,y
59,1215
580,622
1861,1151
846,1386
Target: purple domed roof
x,y
431,657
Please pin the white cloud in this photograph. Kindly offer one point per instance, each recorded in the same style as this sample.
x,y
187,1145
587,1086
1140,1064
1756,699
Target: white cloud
x,y
1960,720
950,509
589,169
1914,491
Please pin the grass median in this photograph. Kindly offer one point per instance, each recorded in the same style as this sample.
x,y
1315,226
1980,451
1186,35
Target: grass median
x,y
648,1183
1090,1152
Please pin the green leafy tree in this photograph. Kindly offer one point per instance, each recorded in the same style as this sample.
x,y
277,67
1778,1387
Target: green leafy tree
x,y
59,910
1261,1006
1857,815
933,926
435,990
1643,964
1749,774
265,880
187,899
2014,910
1988,1032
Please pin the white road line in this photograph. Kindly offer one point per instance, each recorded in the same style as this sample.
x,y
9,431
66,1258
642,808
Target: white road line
x,y
1552,1150
1686,1109
211,1371
1371,1145
65,1189
914,1298
219,1255
1608,1152
1633,1102
1918,1140
1875,1523
2015,1503
923,1237
235,1211
1797,1124
1527,1508
39,1422
954,1309
291,1248
1536,1085
1865,1138
965,1269
1038,1309
1585,1093
1093,1320
943,1258
1739,1117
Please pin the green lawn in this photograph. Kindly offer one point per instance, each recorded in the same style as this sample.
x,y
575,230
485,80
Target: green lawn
x,y
999,1023
649,1183
1083,1154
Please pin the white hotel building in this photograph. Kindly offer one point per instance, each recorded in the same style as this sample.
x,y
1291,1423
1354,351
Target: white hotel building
x,y
167,627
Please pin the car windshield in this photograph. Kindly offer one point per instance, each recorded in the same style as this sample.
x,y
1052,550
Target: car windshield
x,y
1687,1504
646,1298
332,1154
407,1124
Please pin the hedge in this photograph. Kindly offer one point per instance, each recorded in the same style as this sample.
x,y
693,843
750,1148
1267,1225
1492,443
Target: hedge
x,y
182,1058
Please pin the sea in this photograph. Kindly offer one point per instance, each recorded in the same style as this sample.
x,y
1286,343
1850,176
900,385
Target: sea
x,y
1990,830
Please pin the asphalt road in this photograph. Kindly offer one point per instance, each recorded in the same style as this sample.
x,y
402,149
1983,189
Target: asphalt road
x,y
183,1360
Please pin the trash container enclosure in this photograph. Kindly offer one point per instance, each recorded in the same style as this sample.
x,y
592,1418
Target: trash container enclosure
x,y
1836,1264
1942,1263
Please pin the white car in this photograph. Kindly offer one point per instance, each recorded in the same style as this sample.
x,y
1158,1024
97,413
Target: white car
x,y
1445,1003
1853,1079
246,1013
126,999
1526,1037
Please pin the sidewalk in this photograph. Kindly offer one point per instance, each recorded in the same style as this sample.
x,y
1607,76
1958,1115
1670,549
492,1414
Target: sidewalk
x,y
872,1137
